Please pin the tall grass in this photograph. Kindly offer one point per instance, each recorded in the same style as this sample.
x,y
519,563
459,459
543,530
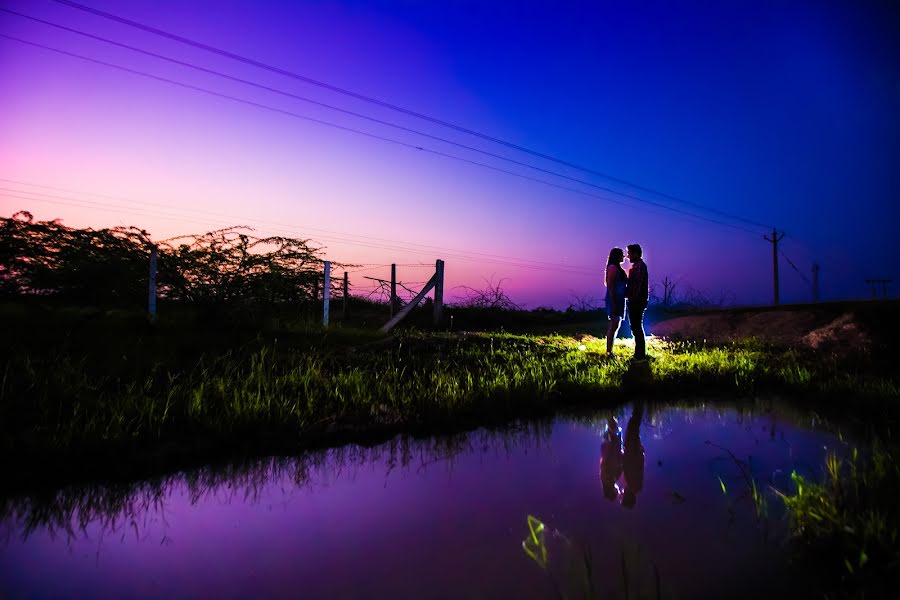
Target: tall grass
x,y
847,526
76,395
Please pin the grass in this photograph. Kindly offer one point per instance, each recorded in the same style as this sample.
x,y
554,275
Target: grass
x,y
846,527
86,387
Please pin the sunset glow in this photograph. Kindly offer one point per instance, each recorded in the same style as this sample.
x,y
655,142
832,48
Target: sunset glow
x,y
782,116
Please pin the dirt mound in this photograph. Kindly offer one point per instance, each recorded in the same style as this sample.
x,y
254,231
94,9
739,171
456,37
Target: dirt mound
x,y
794,327
693,327
843,331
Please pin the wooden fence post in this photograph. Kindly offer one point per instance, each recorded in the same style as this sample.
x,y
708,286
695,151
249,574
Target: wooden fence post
x,y
393,288
151,305
409,306
346,299
326,292
438,292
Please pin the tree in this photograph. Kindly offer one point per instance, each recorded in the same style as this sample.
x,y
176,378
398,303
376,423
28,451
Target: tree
x,y
582,302
669,284
109,267
492,296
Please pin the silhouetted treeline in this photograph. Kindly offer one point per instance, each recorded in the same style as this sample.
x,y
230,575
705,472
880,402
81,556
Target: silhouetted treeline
x,y
110,267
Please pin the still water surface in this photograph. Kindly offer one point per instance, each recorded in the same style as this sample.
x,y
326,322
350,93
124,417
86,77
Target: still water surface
x,y
444,517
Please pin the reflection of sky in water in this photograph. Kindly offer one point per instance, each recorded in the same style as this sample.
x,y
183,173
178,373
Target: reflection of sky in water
x,y
433,518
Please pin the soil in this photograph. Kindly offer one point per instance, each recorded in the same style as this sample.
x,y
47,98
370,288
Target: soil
x,y
853,326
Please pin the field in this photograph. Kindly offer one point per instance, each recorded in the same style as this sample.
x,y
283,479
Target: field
x,y
94,390
88,394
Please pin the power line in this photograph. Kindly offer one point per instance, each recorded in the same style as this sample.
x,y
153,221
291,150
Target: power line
x,y
391,106
128,210
342,237
352,130
354,114
368,268
305,230
799,272
367,117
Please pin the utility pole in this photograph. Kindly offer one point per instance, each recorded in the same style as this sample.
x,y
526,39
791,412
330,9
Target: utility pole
x,y
775,239
815,282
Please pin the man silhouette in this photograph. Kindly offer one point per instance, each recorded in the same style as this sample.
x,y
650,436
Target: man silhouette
x,y
638,294
633,457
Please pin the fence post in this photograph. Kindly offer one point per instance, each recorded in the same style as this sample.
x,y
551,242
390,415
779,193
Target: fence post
x,y
346,299
326,292
393,288
401,314
438,292
151,305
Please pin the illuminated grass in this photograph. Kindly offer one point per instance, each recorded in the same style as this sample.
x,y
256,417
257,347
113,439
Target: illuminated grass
x,y
353,381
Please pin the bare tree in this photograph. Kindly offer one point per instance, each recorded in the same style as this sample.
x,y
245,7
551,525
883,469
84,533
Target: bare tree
x,y
696,298
669,284
676,292
492,296
582,302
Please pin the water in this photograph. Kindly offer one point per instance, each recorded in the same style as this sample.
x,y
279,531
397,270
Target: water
x,y
440,518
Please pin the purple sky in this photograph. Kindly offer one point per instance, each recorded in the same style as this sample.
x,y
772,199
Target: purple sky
x,y
781,115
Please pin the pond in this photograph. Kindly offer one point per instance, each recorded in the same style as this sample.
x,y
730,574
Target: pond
x,y
657,503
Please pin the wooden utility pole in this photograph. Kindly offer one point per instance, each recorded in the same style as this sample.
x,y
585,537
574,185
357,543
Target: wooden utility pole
x,y
815,282
151,304
438,292
346,298
775,239
326,295
393,288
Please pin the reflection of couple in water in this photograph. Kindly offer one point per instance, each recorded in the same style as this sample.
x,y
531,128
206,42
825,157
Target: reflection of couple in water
x,y
614,461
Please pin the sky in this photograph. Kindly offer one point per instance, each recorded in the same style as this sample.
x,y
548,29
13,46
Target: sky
x,y
767,114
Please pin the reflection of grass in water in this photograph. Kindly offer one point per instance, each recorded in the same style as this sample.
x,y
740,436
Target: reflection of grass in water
x,y
848,525
112,508
64,398
570,567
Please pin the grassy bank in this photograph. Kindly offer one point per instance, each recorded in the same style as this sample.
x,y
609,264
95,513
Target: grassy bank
x,y
103,390
846,527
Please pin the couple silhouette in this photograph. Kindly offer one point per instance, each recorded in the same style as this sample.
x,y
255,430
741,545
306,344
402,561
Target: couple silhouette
x,y
618,458
631,290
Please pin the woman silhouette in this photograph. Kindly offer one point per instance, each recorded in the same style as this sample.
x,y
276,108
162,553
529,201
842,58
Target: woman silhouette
x,y
616,281
611,459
